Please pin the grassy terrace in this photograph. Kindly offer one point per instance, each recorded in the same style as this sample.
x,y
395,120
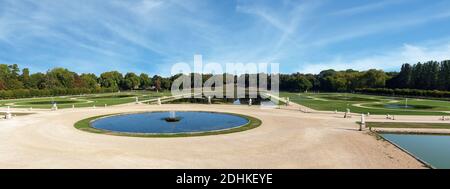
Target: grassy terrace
x,y
85,125
408,125
84,100
360,103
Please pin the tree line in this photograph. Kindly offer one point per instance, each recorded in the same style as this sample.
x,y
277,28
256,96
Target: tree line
x,y
416,78
16,83
431,75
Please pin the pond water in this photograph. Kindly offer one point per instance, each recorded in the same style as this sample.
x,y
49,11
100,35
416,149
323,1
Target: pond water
x,y
402,106
433,149
154,122
398,106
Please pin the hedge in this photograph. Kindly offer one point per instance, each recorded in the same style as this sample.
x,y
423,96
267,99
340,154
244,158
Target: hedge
x,y
405,92
28,93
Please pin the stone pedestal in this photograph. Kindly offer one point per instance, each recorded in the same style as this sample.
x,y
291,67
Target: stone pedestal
x,y
158,101
8,115
54,107
362,125
347,113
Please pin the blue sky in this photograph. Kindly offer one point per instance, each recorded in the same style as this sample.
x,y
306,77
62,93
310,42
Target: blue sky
x,y
152,35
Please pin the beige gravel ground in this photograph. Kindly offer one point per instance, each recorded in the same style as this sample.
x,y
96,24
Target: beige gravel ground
x,y
287,138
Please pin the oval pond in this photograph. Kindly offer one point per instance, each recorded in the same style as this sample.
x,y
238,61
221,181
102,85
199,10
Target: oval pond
x,y
155,123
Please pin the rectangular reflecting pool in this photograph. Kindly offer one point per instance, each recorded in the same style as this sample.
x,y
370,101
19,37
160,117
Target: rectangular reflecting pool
x,y
433,149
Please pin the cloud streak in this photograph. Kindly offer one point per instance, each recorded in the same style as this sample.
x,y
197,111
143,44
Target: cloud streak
x,y
151,35
407,53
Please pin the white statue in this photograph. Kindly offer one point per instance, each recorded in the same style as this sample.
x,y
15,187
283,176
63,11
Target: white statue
x,y
347,114
137,100
54,107
159,101
250,102
8,114
209,99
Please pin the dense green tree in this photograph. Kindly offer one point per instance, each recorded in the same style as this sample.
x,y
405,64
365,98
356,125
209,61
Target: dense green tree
x,y
404,79
25,78
111,79
146,82
4,76
301,83
373,79
430,75
166,83
444,75
131,81
15,71
157,84
325,78
295,82
89,80
9,77
37,81
60,78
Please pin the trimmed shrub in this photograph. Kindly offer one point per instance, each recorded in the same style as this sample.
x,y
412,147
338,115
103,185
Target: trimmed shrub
x,y
405,92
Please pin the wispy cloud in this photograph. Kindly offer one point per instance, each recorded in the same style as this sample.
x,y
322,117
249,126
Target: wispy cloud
x,y
367,8
389,60
151,35
288,23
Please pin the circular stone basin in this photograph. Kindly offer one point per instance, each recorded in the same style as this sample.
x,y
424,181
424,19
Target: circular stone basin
x,y
155,123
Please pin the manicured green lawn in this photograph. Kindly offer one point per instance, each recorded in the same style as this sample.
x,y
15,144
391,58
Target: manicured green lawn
x,y
408,125
99,100
359,103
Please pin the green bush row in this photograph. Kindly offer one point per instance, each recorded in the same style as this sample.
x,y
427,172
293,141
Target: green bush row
x,y
405,92
27,93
